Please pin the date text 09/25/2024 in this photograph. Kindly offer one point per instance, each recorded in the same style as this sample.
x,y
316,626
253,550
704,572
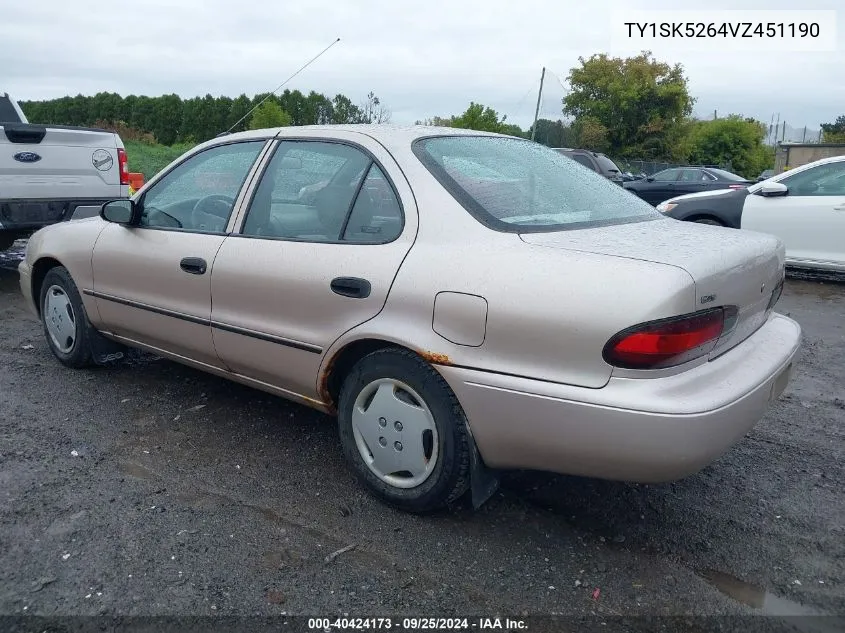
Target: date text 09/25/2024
x,y
417,624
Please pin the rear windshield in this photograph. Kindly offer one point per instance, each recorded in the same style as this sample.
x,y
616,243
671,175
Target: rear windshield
x,y
726,175
517,185
606,163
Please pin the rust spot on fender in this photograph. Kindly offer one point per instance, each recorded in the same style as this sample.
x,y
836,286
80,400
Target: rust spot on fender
x,y
323,386
435,358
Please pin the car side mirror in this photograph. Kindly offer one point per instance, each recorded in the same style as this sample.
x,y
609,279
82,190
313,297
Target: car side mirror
x,y
122,211
774,189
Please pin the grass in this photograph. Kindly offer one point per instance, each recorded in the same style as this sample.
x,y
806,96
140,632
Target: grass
x,y
150,159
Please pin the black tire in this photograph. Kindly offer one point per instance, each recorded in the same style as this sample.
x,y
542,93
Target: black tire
x,y
6,242
79,354
711,221
449,479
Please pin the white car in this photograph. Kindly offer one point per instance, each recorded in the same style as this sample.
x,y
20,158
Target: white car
x,y
803,207
49,172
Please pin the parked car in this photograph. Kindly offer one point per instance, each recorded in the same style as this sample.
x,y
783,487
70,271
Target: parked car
x,y
679,180
804,208
596,161
765,175
471,302
627,176
46,172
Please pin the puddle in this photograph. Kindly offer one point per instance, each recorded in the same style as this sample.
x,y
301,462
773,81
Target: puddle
x,y
136,470
754,596
771,605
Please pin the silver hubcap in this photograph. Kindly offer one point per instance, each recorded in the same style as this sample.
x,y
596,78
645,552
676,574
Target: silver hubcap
x,y
395,433
59,318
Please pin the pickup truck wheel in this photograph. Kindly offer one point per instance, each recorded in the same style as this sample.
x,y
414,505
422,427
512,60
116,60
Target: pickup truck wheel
x,y
65,322
404,432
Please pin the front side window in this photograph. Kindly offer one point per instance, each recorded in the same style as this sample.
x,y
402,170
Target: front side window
x,y
199,194
323,192
521,186
823,180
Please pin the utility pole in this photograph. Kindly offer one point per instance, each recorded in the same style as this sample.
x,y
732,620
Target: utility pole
x,y
783,134
537,110
804,137
715,114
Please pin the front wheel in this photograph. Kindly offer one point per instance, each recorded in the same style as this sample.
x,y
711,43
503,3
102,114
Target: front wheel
x,y
65,322
710,221
404,432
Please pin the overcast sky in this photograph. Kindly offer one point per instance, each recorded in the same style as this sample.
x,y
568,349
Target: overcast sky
x,y
421,58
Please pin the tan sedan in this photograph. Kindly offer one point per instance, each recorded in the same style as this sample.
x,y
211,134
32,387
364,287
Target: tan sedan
x,y
463,302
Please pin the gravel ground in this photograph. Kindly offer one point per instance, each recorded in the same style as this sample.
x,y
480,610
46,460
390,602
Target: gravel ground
x,y
153,489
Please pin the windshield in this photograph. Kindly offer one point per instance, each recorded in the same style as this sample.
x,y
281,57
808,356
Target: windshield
x,y
517,185
726,175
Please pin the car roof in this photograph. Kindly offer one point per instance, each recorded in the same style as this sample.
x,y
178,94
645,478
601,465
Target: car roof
x,y
380,131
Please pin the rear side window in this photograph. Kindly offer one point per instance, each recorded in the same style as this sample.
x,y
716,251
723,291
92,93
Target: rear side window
x,y
607,164
318,191
515,185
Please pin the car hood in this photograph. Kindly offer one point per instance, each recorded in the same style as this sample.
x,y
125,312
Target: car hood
x,y
704,194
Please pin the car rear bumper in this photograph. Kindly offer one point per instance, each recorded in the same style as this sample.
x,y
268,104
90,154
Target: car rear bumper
x,y
633,429
28,215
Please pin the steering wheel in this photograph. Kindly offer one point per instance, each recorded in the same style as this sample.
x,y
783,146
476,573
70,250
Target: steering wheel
x,y
211,213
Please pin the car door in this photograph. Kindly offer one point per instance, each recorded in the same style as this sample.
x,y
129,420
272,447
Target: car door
x,y
809,219
659,187
693,181
318,248
151,282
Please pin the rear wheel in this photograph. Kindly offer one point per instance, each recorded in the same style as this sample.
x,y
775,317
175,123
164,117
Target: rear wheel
x,y
403,431
65,322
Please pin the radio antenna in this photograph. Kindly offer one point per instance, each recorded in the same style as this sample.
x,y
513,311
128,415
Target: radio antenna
x,y
279,87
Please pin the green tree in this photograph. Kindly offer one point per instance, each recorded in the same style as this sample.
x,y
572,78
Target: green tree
x,y
638,100
269,114
554,133
834,132
479,117
344,111
168,118
732,140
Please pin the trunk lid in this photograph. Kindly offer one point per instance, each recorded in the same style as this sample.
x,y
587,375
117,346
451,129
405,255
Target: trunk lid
x,y
57,162
729,267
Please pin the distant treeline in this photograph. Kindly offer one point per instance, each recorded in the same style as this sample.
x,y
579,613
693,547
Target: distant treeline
x,y
171,119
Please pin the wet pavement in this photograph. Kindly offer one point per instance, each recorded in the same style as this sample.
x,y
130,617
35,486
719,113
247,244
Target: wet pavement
x,y
153,489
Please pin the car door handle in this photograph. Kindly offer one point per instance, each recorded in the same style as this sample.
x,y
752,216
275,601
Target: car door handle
x,y
351,287
841,207
193,265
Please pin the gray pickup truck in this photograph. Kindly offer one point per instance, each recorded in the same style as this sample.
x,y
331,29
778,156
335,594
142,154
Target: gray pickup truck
x,y
47,171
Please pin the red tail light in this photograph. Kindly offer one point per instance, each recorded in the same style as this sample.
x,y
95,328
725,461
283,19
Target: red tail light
x,y
669,342
123,166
